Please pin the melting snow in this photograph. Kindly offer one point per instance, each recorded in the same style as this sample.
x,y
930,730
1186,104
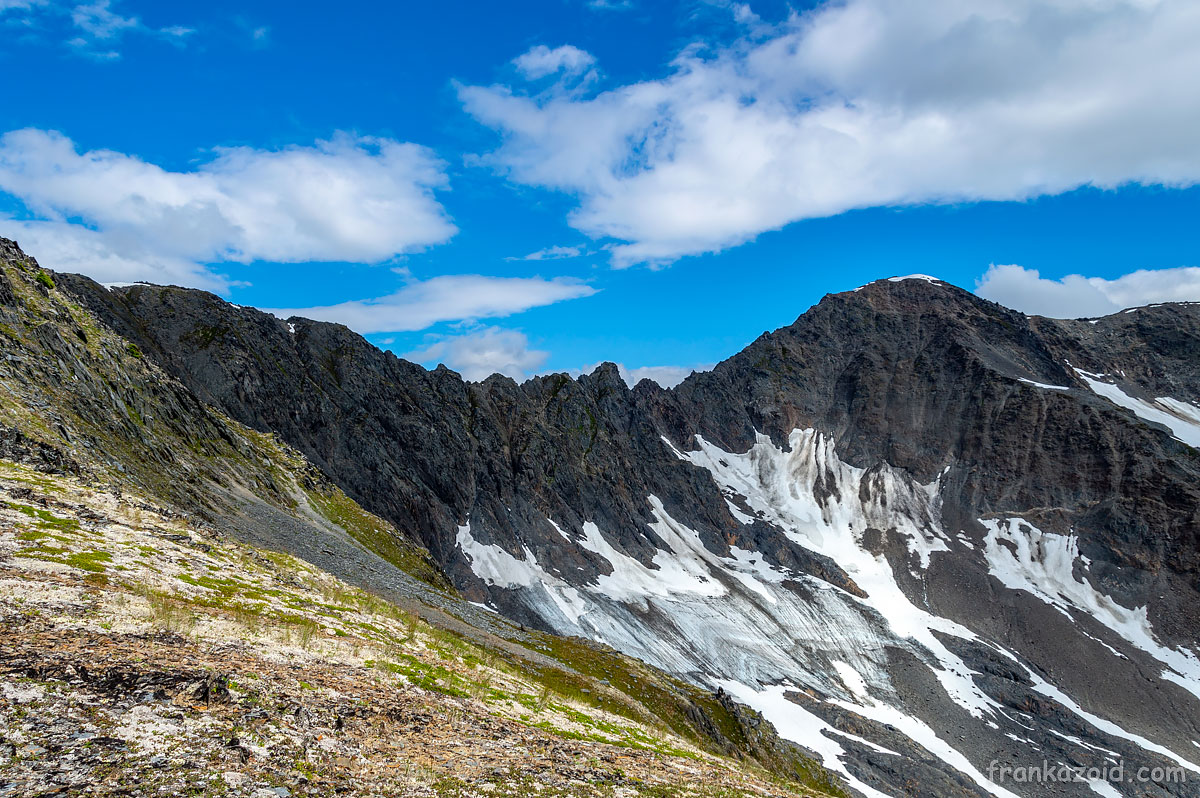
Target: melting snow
x,y
1082,743
1044,385
731,620
1101,787
495,565
1025,558
1047,689
1182,418
924,277
797,724
685,567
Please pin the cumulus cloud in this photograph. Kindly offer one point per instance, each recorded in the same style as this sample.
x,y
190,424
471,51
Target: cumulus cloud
x,y
1076,296
865,103
541,61
347,199
480,354
451,297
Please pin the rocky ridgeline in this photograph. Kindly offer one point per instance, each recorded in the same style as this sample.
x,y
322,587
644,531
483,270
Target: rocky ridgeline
x,y
917,374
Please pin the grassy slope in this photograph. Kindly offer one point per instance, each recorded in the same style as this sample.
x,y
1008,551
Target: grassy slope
x,y
84,565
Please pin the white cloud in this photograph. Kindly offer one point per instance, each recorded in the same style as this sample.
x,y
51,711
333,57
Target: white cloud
x,y
610,5
98,20
176,31
1076,296
348,199
86,48
93,29
103,257
540,61
866,103
480,354
20,5
552,253
492,350
666,376
453,297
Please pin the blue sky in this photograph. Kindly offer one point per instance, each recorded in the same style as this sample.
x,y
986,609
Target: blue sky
x,y
691,173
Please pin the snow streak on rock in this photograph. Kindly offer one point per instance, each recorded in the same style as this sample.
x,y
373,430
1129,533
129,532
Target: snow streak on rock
x,y
1182,418
1048,566
760,631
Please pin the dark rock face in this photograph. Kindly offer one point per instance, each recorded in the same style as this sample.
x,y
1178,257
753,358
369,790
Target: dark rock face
x,y
926,376
423,448
921,376
991,408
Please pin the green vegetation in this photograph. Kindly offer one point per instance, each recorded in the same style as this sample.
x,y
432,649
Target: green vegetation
x,y
44,519
166,612
376,535
205,334
45,279
596,695
646,695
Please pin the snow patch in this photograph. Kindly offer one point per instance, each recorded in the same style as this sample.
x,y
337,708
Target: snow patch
x,y
684,568
1044,385
1101,787
1023,557
782,487
797,724
1182,418
1045,688
496,566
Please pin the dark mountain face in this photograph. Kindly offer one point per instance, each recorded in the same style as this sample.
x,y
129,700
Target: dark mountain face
x,y
947,532
926,377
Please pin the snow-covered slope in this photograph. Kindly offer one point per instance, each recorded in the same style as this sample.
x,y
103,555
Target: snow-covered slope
x,y
759,631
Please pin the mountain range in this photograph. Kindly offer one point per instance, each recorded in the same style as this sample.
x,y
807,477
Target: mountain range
x,y
934,542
